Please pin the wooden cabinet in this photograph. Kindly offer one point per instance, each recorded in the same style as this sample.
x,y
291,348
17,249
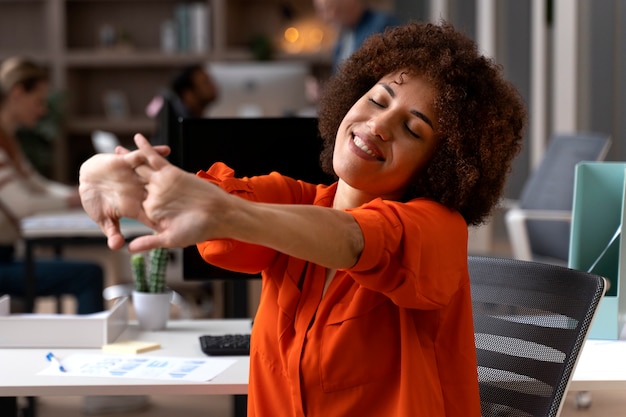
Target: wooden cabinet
x,y
108,53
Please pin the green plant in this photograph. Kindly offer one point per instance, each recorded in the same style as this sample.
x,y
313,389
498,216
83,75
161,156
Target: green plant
x,y
152,280
262,48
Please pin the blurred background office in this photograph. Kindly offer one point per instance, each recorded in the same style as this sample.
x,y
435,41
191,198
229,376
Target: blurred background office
x,y
566,57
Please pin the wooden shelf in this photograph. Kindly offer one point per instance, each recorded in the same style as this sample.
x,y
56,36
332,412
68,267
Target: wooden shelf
x,y
127,126
130,58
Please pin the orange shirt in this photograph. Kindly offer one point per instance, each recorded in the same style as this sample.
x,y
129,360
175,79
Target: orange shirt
x,y
393,335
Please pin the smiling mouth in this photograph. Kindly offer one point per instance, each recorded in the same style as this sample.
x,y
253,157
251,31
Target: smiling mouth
x,y
362,146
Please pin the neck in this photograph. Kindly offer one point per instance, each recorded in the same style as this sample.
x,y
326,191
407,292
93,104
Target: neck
x,y
8,126
348,197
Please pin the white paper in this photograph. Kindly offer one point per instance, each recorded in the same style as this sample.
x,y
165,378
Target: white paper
x,y
139,366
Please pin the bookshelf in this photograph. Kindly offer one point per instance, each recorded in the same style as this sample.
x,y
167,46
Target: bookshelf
x,y
73,39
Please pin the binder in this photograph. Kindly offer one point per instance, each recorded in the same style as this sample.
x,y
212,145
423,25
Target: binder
x,y
597,243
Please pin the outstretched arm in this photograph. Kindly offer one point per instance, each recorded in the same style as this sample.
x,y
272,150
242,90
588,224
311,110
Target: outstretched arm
x,y
185,210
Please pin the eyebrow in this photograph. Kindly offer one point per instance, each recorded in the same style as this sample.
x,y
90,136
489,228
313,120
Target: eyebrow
x,y
414,112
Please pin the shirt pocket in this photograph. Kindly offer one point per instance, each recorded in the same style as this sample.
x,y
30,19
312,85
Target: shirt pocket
x,y
360,342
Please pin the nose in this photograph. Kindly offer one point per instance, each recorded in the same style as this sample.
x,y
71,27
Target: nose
x,y
380,125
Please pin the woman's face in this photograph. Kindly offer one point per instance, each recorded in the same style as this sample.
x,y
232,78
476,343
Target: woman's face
x,y
30,106
387,137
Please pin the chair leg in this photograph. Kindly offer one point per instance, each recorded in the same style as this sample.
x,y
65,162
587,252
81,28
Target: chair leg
x,y
59,302
30,410
583,400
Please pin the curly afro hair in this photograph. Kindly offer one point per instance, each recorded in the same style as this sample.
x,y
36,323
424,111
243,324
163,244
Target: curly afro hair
x,y
480,115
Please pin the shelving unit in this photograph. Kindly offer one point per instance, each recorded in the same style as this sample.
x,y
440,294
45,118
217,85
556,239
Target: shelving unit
x,y
67,36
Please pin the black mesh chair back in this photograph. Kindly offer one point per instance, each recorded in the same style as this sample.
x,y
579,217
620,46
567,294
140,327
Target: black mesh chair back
x,y
531,320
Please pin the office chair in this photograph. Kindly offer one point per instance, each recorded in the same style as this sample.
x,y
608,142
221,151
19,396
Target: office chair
x,y
530,322
538,224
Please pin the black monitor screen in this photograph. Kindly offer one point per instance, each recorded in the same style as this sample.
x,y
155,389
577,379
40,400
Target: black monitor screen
x,y
250,146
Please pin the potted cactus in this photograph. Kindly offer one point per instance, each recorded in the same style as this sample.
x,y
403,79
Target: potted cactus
x,y
152,280
151,298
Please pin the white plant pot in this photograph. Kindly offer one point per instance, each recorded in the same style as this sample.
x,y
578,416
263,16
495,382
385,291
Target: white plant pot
x,y
152,310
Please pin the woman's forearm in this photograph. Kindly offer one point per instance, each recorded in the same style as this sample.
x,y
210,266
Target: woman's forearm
x,y
325,236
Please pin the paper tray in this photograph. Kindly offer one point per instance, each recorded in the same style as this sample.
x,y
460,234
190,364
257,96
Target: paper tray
x,y
61,330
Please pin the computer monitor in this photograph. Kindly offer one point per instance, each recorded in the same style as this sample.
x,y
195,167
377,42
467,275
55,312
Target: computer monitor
x,y
168,126
251,146
259,89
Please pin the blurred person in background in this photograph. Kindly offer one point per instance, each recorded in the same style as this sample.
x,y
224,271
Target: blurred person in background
x,y
191,91
354,21
24,88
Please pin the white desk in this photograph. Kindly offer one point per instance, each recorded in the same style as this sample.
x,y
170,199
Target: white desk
x,y
19,367
73,223
601,366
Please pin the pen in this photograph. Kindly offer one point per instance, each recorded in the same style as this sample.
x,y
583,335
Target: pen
x,y
51,358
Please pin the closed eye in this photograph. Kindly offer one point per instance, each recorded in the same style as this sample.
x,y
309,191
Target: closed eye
x,y
371,100
412,133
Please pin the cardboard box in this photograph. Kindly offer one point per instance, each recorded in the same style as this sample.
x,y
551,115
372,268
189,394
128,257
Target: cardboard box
x,y
61,330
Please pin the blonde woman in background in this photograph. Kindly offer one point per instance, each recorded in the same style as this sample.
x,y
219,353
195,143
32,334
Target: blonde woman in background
x,y
24,88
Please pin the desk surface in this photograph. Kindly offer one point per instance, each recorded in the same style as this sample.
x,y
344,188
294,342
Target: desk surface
x,y
19,367
73,223
601,366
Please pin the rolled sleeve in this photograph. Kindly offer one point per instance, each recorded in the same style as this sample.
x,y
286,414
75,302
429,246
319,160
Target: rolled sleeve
x,y
413,252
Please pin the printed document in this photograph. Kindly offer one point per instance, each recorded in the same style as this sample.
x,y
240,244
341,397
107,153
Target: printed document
x,y
139,366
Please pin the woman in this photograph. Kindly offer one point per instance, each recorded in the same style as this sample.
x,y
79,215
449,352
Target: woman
x,y
24,88
365,308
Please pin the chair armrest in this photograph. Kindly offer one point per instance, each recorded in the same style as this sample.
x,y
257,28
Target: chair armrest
x,y
507,204
515,219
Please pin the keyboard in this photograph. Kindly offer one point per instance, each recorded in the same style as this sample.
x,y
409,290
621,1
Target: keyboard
x,y
225,345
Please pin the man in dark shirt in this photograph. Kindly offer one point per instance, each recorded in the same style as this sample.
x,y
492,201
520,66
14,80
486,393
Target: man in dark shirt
x,y
191,91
